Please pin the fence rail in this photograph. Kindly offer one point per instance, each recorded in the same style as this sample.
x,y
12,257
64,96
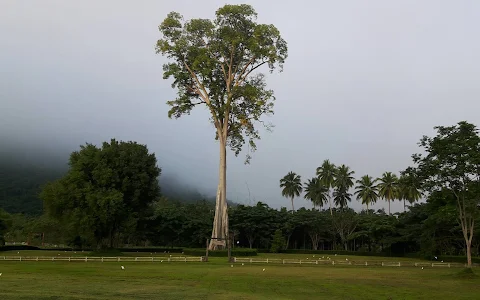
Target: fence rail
x,y
104,259
348,263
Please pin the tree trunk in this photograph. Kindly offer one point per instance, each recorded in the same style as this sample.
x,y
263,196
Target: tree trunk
x,y
293,209
469,254
330,203
389,206
220,222
367,207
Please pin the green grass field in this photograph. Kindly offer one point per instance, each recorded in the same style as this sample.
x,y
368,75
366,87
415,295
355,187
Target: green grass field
x,y
218,280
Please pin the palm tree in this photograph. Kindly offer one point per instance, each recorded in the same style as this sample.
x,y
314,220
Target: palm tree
x,y
292,186
326,173
343,182
316,192
367,190
387,188
407,190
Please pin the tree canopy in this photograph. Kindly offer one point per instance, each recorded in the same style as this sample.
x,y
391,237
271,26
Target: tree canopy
x,y
105,191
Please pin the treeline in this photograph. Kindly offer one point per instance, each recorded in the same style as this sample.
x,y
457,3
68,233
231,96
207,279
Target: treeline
x,y
423,229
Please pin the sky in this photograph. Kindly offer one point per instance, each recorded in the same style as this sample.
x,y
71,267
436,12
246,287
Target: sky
x,y
364,80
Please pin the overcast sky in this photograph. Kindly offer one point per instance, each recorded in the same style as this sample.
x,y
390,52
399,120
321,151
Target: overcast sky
x,y
363,82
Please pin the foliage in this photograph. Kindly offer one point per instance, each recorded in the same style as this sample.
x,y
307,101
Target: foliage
x,y
220,253
451,166
213,62
316,192
291,185
367,190
107,191
387,188
278,242
327,173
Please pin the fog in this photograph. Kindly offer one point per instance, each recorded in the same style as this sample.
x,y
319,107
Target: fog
x,y
363,82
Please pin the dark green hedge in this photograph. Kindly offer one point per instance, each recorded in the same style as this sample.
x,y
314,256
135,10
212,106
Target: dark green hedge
x,y
18,247
152,249
220,253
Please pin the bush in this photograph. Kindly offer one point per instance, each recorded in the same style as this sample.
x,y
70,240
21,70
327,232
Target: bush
x,y
18,247
221,253
278,242
332,252
152,249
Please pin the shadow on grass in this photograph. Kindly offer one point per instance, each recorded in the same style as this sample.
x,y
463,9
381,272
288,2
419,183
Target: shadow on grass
x,y
466,273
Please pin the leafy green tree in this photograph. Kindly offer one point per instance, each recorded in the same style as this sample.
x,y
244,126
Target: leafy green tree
x,y
451,164
367,190
291,185
327,173
278,242
104,190
343,182
215,63
316,192
387,188
345,222
408,188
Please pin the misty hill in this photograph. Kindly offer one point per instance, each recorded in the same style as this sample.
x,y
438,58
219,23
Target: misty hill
x,y
23,171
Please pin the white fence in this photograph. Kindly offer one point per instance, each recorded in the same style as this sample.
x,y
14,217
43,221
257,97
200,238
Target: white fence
x,y
104,259
346,262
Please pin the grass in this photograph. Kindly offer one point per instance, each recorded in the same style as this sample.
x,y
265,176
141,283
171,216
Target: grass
x,y
218,280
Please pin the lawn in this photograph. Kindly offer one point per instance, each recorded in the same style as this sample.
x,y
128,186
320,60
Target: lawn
x,y
218,280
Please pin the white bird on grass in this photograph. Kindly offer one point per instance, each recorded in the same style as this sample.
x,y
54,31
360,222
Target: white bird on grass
x,y
1,274
243,264
263,269
231,266
123,268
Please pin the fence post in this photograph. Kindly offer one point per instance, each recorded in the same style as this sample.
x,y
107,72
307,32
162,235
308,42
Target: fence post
x,y
251,260
37,258
283,261
267,260
449,265
152,258
102,258
86,259
185,259
366,263
69,258
316,262
118,258
333,262
20,258
382,263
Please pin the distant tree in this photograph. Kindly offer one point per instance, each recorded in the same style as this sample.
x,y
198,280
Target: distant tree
x,y
451,165
327,173
291,185
387,188
408,189
106,191
343,182
316,192
215,63
366,190
278,242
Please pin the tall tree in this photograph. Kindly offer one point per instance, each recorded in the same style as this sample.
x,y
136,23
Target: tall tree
x,y
105,191
408,188
451,164
316,192
291,185
367,190
387,188
215,63
343,182
326,173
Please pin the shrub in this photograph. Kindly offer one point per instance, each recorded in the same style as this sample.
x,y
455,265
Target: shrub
x,y
18,247
278,242
221,253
